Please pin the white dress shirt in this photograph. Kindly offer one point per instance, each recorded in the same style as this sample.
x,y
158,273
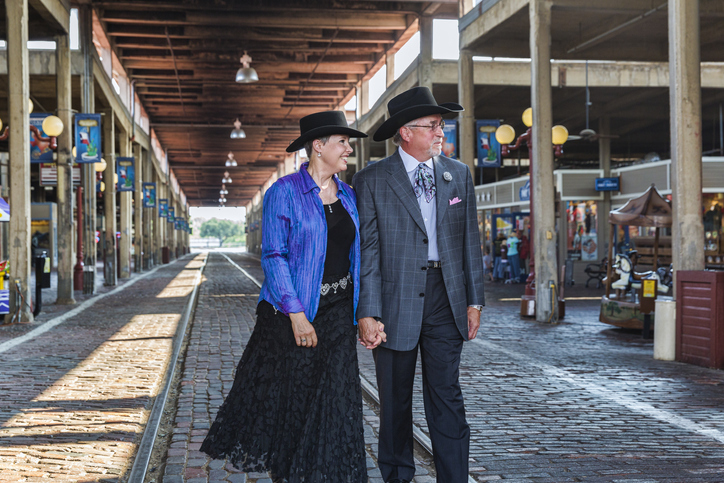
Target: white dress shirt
x,y
428,209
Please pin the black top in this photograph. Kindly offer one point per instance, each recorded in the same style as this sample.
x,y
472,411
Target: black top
x,y
340,235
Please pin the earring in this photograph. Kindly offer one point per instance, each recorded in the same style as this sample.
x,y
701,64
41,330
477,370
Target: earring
x,y
319,155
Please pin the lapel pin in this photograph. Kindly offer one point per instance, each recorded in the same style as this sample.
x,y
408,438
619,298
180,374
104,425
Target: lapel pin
x,y
447,176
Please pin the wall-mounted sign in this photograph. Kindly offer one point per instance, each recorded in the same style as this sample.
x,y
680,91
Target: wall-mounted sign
x,y
49,175
608,184
488,147
126,171
149,195
525,191
171,217
163,208
87,138
40,151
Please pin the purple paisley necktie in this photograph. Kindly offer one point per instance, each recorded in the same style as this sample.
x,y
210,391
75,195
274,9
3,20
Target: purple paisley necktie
x,y
424,182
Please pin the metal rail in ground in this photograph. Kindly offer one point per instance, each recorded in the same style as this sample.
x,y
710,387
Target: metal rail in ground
x,y
367,387
143,456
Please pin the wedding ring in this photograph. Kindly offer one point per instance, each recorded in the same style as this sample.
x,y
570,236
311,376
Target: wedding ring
x,y
304,340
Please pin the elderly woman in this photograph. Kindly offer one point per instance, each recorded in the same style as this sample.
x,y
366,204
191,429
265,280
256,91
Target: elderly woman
x,y
295,408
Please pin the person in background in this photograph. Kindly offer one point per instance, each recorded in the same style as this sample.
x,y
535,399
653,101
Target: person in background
x,y
513,258
499,240
488,265
524,251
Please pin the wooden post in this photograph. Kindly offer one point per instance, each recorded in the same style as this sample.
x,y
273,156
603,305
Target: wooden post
x,y
546,272
138,211
109,197
19,150
65,172
125,220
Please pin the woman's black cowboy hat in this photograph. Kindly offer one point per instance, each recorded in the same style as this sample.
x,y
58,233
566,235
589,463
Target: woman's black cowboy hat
x,y
413,104
320,124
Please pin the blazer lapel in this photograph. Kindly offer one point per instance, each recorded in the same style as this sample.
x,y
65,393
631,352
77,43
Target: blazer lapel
x,y
444,188
400,184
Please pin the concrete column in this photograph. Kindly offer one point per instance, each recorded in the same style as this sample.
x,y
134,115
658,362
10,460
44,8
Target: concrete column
x,y
173,234
604,159
88,172
390,69
543,194
65,173
687,232
138,245
19,150
125,218
424,68
390,147
109,197
466,95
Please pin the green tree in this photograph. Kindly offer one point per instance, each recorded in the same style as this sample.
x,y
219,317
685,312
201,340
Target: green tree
x,y
221,229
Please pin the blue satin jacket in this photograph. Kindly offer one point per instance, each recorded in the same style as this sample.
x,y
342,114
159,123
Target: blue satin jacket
x,y
294,243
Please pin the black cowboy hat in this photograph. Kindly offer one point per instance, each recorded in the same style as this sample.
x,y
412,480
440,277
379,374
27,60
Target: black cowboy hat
x,y
412,104
320,124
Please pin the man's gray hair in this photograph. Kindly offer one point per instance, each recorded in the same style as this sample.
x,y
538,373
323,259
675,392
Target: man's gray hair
x,y
308,146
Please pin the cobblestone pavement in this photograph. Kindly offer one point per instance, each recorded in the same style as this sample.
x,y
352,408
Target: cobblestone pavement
x,y
222,325
74,400
579,400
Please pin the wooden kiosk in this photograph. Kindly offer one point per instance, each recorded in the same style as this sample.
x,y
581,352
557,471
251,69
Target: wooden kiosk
x,y
622,308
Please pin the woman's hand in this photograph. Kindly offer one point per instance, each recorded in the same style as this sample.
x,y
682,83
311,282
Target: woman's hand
x,y
304,332
371,332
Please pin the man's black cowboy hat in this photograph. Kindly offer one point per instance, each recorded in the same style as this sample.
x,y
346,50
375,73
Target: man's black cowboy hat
x,y
320,124
412,104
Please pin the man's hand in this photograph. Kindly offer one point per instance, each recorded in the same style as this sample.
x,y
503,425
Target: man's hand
x,y
473,322
371,332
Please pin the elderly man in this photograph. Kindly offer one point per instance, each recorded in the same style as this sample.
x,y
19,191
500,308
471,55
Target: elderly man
x,y
422,277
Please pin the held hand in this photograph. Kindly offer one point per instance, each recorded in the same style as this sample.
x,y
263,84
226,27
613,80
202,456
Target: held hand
x,y
371,332
304,333
473,322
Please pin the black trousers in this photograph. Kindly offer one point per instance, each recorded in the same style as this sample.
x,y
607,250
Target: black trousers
x,y
440,346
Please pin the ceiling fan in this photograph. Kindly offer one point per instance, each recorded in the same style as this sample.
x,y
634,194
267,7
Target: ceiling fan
x,y
589,134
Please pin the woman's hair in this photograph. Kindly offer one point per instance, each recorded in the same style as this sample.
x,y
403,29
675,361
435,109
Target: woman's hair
x,y
308,145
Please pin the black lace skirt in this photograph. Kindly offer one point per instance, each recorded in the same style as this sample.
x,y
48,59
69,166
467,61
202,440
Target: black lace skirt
x,y
293,411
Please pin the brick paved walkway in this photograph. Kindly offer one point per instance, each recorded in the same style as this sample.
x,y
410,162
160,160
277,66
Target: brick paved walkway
x,y
223,322
74,400
580,401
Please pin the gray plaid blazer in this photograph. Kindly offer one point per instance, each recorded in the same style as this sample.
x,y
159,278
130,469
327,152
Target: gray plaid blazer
x,y
394,247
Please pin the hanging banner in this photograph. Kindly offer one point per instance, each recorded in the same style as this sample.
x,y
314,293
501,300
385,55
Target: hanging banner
x,y
149,195
177,223
87,138
488,147
450,141
40,151
49,174
126,170
163,208
171,214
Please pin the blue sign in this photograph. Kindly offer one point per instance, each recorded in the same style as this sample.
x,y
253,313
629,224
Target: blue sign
x,y
40,151
608,184
488,147
4,301
171,214
450,142
87,138
525,191
149,195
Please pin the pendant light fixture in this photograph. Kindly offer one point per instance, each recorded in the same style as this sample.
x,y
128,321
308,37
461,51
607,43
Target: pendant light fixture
x,y
246,74
230,161
238,132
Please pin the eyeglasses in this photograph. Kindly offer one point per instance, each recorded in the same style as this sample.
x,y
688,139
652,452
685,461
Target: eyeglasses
x,y
432,127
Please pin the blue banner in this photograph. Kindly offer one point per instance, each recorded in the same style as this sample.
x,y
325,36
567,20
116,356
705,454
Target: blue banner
x,y
149,195
450,142
488,147
40,151
608,184
126,170
163,208
87,138
171,217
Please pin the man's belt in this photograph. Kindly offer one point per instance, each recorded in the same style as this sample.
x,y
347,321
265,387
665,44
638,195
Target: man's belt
x,y
434,264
